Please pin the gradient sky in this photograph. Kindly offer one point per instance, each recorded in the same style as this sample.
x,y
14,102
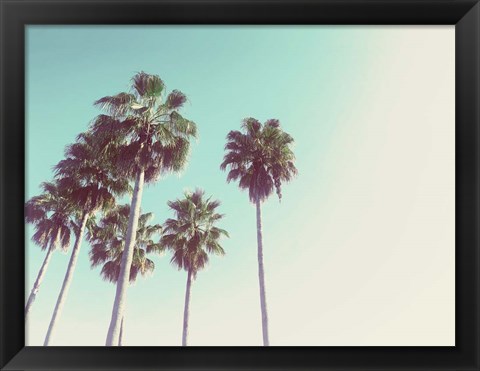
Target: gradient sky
x,y
361,249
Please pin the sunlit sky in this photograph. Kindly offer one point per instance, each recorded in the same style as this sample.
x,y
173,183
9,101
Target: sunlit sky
x,y
361,249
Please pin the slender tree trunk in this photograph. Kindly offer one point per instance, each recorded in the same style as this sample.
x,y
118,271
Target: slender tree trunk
x,y
261,277
66,281
120,337
186,310
41,275
127,257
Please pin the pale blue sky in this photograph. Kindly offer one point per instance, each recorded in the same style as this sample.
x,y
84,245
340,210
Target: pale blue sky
x,y
333,89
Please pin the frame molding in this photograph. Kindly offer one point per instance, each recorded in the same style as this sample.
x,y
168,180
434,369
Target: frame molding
x,y
16,14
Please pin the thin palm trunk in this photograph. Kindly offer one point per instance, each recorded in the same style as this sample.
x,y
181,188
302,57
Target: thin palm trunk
x,y
261,277
66,281
186,311
127,258
120,337
41,275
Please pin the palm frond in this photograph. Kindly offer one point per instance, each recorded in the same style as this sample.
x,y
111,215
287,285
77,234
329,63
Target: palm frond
x,y
146,85
175,100
116,105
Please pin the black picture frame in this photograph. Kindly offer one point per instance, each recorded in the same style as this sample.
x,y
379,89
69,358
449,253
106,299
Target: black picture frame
x,y
15,15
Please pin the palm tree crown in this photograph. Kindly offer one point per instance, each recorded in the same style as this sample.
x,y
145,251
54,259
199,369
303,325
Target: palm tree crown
x,y
144,130
90,178
260,158
192,235
50,214
108,242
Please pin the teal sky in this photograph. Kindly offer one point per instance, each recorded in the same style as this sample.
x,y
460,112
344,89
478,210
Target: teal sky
x,y
345,94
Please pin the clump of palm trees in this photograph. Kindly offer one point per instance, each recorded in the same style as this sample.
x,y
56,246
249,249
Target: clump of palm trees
x,y
91,186
140,136
148,137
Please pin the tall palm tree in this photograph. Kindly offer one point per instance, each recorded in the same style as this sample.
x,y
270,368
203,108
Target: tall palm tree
x,y
147,137
261,159
92,185
50,215
108,242
191,236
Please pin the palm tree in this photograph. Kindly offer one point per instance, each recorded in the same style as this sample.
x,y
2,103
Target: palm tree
x,y
146,137
261,159
191,236
91,186
108,242
50,214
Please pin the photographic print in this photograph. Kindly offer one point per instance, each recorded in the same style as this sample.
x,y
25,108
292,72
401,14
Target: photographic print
x,y
240,185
